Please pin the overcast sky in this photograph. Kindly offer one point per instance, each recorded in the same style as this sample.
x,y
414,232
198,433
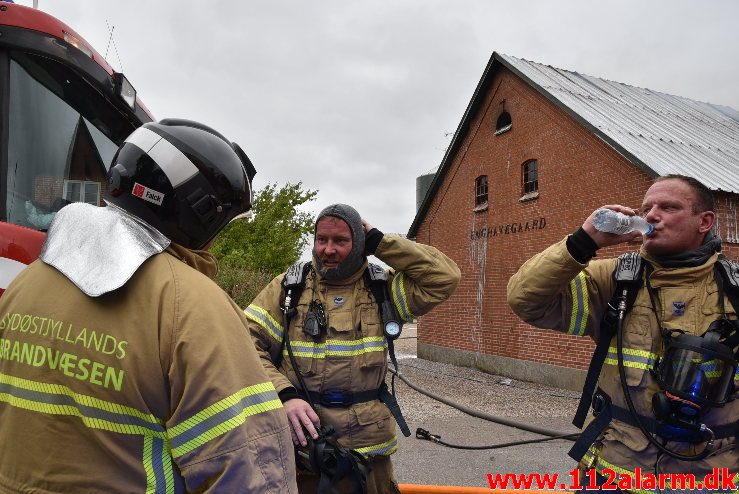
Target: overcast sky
x,y
358,98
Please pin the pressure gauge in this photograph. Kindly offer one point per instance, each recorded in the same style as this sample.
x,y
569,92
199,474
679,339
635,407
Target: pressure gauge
x,y
390,323
392,330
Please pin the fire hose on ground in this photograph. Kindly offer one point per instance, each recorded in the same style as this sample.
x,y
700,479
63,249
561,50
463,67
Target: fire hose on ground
x,y
424,434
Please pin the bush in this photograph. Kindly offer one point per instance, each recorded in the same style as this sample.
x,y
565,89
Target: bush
x,y
240,282
275,235
251,252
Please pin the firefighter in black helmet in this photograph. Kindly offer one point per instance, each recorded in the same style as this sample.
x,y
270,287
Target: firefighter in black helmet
x,y
142,366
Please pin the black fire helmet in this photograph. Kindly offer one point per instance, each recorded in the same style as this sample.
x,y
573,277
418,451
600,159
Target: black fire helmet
x,y
183,178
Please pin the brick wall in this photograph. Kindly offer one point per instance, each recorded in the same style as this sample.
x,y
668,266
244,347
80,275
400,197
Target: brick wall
x,y
577,173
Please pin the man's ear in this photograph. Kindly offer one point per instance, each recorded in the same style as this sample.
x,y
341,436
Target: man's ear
x,y
707,221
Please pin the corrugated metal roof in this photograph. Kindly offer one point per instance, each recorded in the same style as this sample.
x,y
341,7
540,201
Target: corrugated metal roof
x,y
661,132
658,132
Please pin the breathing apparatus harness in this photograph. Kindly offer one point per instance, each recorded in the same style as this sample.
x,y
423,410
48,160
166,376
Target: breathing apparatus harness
x,y
324,456
695,373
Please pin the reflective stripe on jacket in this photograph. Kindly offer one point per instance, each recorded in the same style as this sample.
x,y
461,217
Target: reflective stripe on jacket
x,y
155,387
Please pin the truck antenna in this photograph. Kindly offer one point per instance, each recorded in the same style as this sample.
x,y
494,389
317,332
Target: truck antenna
x,y
111,40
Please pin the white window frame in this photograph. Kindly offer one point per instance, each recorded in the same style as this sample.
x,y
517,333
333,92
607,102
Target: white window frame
x,y
83,187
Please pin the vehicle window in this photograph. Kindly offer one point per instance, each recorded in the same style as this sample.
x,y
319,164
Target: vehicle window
x,y
55,153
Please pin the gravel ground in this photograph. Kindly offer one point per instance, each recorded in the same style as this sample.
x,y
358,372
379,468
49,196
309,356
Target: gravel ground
x,y
496,395
424,462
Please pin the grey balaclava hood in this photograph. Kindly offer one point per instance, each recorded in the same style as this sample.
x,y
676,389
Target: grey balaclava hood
x,y
356,257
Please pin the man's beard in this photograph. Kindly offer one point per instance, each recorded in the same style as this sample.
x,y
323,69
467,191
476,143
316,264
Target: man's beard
x,y
344,270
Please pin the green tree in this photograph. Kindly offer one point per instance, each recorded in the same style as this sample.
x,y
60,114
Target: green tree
x,y
252,251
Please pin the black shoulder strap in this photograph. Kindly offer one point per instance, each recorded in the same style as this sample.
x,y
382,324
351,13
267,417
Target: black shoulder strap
x,y
629,268
728,282
729,271
376,278
627,276
295,275
292,287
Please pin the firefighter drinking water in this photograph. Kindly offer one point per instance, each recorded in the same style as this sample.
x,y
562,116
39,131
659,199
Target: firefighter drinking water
x,y
663,378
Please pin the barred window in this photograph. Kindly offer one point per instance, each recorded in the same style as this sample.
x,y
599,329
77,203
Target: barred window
x,y
530,177
481,190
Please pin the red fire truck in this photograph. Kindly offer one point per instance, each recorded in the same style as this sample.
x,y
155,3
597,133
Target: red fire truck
x,y
63,113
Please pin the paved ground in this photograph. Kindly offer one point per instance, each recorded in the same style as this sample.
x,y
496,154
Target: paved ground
x,y
423,462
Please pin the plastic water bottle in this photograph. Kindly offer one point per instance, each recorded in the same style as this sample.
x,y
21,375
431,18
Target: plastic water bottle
x,y
610,221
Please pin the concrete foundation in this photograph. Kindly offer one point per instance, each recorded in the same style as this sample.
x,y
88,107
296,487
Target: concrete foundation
x,y
522,370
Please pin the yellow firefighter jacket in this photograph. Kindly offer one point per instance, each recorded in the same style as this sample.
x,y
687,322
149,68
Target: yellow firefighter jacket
x,y
155,387
552,290
352,354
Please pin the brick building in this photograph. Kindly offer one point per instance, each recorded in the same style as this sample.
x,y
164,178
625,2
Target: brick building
x,y
537,150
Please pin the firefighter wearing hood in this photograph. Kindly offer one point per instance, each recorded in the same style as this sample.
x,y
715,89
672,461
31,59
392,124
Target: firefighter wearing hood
x,y
340,350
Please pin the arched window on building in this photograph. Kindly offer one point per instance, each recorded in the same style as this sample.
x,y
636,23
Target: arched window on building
x,y
481,190
504,123
530,180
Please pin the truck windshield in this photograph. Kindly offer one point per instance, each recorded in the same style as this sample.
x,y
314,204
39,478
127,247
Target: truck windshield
x,y
62,135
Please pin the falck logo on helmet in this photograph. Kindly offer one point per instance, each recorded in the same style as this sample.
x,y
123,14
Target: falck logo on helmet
x,y
147,194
